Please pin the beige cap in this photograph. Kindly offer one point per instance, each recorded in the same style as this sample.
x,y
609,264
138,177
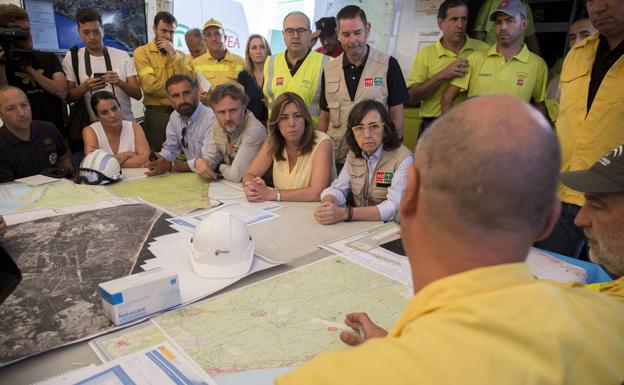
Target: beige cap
x,y
213,23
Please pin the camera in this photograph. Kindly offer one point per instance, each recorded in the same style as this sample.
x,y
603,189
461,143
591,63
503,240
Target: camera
x,y
17,57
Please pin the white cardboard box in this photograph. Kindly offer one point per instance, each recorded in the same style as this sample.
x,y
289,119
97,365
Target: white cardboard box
x,y
138,295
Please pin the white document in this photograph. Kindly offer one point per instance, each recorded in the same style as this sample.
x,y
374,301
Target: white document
x,y
133,173
365,240
387,264
203,83
36,180
221,191
246,212
545,266
161,364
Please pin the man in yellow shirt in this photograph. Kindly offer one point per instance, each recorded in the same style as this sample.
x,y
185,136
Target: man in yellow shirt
x,y
484,28
218,65
156,62
591,111
437,64
478,315
602,215
298,69
507,67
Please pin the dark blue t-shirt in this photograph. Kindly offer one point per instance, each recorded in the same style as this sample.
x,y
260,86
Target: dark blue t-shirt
x,y
256,96
19,158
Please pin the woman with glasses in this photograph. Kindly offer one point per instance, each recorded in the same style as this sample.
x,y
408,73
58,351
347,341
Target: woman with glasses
x,y
371,183
124,139
301,158
252,77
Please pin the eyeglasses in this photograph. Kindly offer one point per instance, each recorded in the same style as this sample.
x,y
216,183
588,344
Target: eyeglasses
x,y
372,128
183,141
290,32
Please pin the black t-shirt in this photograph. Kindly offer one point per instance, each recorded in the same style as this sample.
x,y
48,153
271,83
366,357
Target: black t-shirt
x,y
256,96
397,90
44,105
19,159
605,59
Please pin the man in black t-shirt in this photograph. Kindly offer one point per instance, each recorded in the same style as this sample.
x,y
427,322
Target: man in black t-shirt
x,y
43,80
27,147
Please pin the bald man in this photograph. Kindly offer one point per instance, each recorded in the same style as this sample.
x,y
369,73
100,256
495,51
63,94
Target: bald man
x,y
483,188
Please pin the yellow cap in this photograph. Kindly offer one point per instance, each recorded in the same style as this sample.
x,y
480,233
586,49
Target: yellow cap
x,y
213,23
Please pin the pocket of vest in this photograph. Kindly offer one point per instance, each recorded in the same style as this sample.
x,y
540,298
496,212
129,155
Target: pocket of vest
x,y
334,114
332,87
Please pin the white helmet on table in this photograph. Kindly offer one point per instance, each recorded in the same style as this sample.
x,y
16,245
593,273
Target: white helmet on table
x,y
221,247
98,167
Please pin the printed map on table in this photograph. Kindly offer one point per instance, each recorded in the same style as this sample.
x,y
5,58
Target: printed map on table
x,y
20,197
274,324
282,321
177,193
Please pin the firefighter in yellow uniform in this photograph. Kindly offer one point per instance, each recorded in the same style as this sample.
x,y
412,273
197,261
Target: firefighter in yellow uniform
x,y
298,69
218,65
156,62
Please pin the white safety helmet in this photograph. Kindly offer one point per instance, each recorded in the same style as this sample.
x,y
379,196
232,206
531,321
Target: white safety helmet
x,y
221,247
98,167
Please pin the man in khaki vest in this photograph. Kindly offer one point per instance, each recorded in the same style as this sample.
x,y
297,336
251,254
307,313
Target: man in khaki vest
x,y
360,73
236,134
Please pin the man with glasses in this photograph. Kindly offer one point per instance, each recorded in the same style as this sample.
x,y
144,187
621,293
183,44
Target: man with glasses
x,y
156,62
298,69
236,135
218,65
187,131
360,73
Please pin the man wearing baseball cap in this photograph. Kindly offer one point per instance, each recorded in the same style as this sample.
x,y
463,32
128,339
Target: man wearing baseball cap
x,y
507,67
218,65
326,32
602,214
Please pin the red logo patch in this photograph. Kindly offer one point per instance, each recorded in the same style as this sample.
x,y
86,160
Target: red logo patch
x,y
368,82
279,81
520,82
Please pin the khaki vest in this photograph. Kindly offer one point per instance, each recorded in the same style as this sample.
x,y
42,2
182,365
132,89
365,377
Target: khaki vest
x,y
228,145
373,192
373,85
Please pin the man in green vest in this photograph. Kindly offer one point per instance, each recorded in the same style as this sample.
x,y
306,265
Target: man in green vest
x,y
236,134
298,69
360,73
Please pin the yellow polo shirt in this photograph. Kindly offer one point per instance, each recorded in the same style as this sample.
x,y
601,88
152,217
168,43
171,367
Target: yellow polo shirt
x,y
524,75
492,325
614,289
218,72
154,69
433,59
586,135
483,23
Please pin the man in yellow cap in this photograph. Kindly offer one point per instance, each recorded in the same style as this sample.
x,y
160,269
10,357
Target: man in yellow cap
x,y
156,62
218,65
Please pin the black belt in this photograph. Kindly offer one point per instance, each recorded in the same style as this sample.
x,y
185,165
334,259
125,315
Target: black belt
x,y
167,109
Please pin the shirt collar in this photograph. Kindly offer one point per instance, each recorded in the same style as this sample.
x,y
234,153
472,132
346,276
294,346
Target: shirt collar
x,y
151,46
346,63
462,286
440,50
522,56
376,155
7,135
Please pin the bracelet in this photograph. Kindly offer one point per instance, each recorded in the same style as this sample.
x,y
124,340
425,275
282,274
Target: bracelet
x,y
349,213
278,195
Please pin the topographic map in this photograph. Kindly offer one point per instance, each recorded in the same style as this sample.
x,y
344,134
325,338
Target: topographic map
x,y
177,193
63,259
19,197
384,17
277,323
